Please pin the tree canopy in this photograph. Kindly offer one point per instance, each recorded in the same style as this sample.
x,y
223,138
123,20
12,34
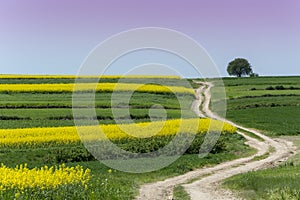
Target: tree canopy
x,y
239,67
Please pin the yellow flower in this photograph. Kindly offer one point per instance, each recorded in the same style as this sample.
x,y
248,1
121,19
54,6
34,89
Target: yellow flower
x,y
45,177
67,135
109,171
8,76
99,87
17,195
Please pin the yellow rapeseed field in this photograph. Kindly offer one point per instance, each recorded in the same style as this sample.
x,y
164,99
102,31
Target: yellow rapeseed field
x,y
68,135
12,76
101,87
21,177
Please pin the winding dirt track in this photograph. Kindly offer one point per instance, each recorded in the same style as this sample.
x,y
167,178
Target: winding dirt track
x,y
209,179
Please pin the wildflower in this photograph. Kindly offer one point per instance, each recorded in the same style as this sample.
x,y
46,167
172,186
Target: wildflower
x,y
17,195
45,177
100,87
68,135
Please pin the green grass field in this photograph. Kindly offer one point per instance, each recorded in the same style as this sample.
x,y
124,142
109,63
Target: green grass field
x,y
159,81
275,113
276,183
26,110
30,110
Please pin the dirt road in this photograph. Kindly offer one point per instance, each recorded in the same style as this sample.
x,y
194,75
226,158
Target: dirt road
x,y
207,187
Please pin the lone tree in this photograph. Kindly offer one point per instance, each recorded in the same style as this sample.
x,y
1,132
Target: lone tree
x,y
239,67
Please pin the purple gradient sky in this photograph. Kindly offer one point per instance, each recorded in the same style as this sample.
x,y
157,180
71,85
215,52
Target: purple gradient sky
x,y
54,37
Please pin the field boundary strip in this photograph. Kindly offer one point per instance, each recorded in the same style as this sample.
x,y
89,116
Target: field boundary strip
x,y
15,76
35,136
98,87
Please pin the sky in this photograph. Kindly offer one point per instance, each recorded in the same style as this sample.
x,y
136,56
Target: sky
x,y
55,36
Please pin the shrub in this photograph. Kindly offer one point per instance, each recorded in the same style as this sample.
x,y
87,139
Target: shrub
x,y
270,88
280,87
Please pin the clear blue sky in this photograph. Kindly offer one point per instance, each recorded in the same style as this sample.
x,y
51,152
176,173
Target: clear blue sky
x,y
54,37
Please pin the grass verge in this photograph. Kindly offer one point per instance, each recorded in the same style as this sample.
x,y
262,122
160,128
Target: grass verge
x,y
281,182
180,194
